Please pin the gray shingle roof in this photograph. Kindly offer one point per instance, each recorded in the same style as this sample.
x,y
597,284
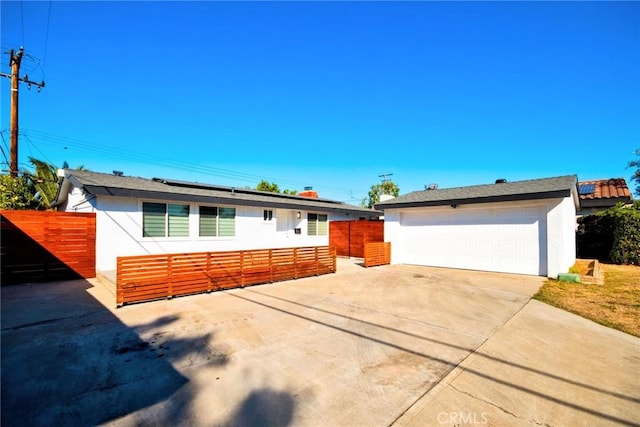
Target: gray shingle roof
x,y
544,188
102,184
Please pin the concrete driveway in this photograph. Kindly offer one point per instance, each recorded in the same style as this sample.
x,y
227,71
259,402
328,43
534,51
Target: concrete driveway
x,y
401,345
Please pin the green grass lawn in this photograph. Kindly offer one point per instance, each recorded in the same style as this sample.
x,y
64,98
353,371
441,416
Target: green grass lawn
x,y
615,304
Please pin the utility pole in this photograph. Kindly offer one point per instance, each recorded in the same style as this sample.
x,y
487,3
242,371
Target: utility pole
x,y
14,61
384,177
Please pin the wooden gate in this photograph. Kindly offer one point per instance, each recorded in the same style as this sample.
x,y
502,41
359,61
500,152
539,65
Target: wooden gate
x,y
43,246
378,253
349,237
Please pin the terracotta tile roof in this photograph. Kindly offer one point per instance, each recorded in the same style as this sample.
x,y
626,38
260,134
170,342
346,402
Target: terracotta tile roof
x,y
614,188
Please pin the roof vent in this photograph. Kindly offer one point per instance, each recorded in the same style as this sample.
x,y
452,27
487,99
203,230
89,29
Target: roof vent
x,y
501,181
432,186
118,173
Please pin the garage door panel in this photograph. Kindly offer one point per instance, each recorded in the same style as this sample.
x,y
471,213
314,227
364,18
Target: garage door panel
x,y
499,239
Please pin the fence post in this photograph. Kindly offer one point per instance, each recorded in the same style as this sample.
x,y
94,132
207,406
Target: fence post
x,y
208,273
242,269
169,276
119,293
333,253
270,265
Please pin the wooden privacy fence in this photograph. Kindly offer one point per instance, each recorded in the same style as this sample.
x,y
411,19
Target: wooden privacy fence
x,y
42,246
378,253
147,277
349,237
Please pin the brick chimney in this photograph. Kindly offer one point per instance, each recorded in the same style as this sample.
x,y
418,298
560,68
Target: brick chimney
x,y
308,192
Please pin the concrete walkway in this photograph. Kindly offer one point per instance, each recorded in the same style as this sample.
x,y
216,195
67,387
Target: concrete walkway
x,y
401,345
544,367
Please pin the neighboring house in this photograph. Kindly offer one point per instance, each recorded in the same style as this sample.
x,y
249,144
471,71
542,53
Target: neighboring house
x,y
138,216
601,194
525,227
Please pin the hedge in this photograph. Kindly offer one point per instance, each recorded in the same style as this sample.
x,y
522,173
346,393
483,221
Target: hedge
x,y
612,235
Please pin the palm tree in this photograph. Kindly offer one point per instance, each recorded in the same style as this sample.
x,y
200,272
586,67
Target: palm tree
x,y
45,182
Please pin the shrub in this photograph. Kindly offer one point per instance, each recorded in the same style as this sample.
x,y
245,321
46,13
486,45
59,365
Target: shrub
x,y
612,235
15,193
626,238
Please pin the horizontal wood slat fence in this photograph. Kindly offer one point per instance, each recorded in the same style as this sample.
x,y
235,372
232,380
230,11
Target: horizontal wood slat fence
x,y
148,277
349,237
378,253
42,246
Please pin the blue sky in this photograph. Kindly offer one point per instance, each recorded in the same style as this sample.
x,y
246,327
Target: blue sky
x,y
329,94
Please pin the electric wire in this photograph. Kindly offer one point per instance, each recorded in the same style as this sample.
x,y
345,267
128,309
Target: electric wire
x,y
44,156
120,154
4,154
46,39
4,141
22,19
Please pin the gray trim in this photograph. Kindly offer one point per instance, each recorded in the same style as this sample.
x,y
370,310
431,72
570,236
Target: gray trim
x,y
476,200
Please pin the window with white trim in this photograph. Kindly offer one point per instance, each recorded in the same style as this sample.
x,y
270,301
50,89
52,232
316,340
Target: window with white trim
x,y
165,220
267,215
316,224
217,221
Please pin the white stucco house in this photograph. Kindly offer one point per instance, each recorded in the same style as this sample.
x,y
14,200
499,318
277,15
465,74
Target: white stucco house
x,y
139,216
524,227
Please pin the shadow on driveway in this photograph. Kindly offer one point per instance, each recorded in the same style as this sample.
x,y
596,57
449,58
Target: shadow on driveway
x,y
67,360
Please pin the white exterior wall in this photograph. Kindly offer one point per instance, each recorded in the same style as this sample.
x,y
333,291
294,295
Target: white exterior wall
x,y
392,233
119,229
553,233
561,235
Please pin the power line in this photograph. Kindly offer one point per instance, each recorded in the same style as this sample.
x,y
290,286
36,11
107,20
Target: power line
x,y
118,153
22,19
32,144
4,154
46,39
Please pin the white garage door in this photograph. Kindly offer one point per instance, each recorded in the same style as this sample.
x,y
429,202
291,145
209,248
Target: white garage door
x,y
507,239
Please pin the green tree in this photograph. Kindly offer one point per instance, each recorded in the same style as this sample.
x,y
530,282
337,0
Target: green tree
x,y
45,182
272,187
15,192
386,187
636,174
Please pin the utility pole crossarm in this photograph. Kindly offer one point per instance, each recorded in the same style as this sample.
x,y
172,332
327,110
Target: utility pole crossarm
x,y
385,177
15,60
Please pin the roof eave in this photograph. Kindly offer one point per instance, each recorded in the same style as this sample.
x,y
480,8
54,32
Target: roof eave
x,y
604,202
123,192
476,200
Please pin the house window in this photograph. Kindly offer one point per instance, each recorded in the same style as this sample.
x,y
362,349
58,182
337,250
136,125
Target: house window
x,y
162,220
217,222
267,215
316,224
